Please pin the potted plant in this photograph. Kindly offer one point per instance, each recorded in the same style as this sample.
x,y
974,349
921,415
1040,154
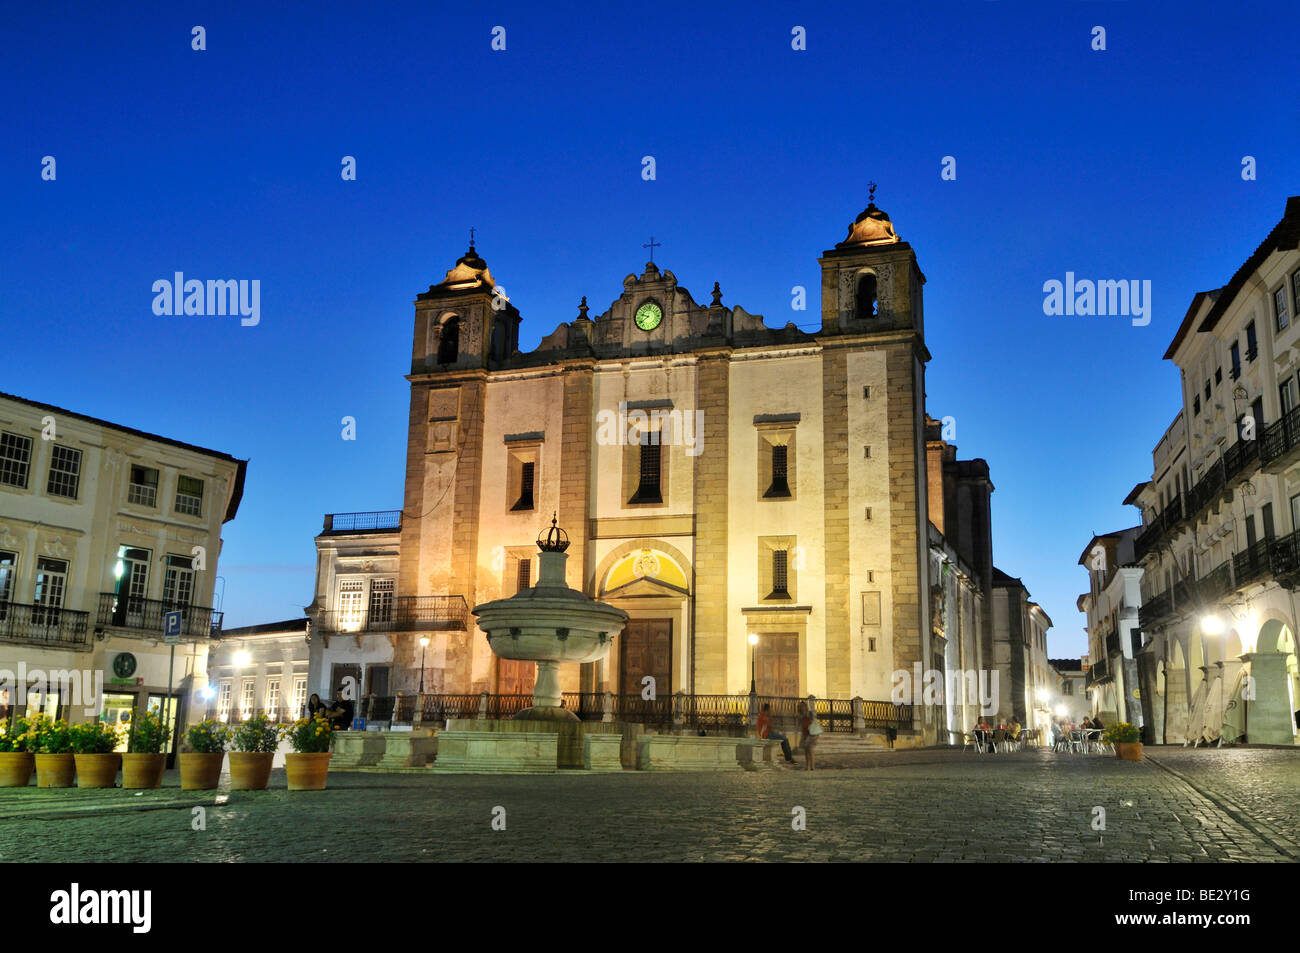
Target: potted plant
x,y
309,763
17,754
144,763
92,746
201,766
252,749
55,765
1127,740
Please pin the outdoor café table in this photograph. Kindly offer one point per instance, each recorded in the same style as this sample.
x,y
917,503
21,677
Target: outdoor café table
x,y
1076,738
983,737
1092,738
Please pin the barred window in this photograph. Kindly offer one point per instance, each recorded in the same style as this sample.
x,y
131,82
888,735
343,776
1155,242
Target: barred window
x,y
648,490
189,496
525,501
143,489
273,694
523,577
15,459
1279,302
780,574
349,604
65,472
780,472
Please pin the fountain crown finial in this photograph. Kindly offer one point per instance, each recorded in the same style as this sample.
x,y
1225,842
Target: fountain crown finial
x,y
556,540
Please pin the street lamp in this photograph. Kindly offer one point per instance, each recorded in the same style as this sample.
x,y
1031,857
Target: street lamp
x,y
1211,625
753,681
424,644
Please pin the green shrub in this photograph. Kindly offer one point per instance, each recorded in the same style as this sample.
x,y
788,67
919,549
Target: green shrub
x,y
148,734
1123,733
256,734
93,737
208,737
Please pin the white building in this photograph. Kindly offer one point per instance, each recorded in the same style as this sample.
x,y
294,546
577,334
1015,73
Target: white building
x,y
1111,606
103,530
260,669
1220,543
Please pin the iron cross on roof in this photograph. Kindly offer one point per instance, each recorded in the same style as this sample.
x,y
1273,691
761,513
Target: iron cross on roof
x,y
652,245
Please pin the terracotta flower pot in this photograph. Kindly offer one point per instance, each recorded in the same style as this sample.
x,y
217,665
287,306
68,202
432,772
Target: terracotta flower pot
x,y
55,770
16,768
200,772
250,770
97,770
307,772
1129,750
143,770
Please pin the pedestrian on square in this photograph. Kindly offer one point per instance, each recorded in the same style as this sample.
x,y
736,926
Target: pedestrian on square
x,y
810,730
765,731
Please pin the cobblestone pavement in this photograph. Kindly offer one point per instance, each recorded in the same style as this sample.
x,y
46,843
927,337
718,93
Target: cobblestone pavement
x,y
932,805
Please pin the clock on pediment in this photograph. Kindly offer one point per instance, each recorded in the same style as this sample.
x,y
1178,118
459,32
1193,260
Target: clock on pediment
x,y
648,316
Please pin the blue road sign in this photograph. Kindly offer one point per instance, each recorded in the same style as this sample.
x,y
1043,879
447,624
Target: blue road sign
x,y
172,624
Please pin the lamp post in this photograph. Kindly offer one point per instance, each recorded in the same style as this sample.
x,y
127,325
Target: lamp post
x,y
424,644
753,681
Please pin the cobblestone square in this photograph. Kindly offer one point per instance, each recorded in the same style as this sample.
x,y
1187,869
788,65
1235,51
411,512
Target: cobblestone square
x,y
1180,805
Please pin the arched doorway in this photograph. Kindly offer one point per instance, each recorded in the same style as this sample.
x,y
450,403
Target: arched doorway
x,y
1275,685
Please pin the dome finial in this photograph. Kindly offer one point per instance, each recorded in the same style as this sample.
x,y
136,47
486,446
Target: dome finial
x,y
556,540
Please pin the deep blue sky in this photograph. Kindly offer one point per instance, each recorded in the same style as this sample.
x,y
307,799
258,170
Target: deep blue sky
x,y
225,164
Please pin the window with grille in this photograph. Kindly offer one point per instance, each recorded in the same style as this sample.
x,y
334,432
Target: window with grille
x,y
381,600
349,604
247,695
143,488
189,496
780,574
272,694
15,459
525,501
178,582
780,485
523,576
51,581
65,472
299,694
648,490
223,699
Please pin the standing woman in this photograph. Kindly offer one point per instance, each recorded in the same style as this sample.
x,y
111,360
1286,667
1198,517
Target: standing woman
x,y
810,729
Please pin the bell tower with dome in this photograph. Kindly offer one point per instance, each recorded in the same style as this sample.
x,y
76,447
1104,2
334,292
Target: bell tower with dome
x,y
871,281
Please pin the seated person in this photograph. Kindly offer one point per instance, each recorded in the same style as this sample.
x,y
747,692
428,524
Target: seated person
x,y
1013,729
339,713
765,731
1096,722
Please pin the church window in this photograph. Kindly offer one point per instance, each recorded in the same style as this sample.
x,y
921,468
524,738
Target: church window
x,y
865,299
525,501
780,575
780,485
648,489
449,341
499,341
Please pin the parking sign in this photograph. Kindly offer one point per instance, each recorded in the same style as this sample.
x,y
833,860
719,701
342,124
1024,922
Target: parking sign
x,y
172,627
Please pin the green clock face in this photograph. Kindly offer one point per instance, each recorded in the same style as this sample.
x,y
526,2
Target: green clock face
x,y
124,665
648,316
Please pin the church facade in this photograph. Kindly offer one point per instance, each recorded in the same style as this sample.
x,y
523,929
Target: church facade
x,y
755,498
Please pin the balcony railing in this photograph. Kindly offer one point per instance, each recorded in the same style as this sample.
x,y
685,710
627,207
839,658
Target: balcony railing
x,y
664,713
1281,436
373,522
145,617
1277,559
43,625
408,613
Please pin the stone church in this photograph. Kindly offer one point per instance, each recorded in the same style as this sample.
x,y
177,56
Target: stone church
x,y
754,497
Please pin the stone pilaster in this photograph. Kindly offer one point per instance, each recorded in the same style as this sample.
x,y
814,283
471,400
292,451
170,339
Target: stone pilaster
x,y
905,529
711,528
835,469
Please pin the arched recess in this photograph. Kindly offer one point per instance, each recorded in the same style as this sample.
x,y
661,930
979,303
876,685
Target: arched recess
x,y
866,294
681,570
448,338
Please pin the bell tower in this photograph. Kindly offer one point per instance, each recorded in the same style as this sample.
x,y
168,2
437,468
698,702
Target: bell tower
x,y
465,321
871,281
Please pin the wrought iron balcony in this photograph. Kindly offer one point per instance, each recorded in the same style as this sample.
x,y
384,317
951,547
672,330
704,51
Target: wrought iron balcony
x,y
145,618
1252,563
43,625
1214,583
1280,439
379,521
407,614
